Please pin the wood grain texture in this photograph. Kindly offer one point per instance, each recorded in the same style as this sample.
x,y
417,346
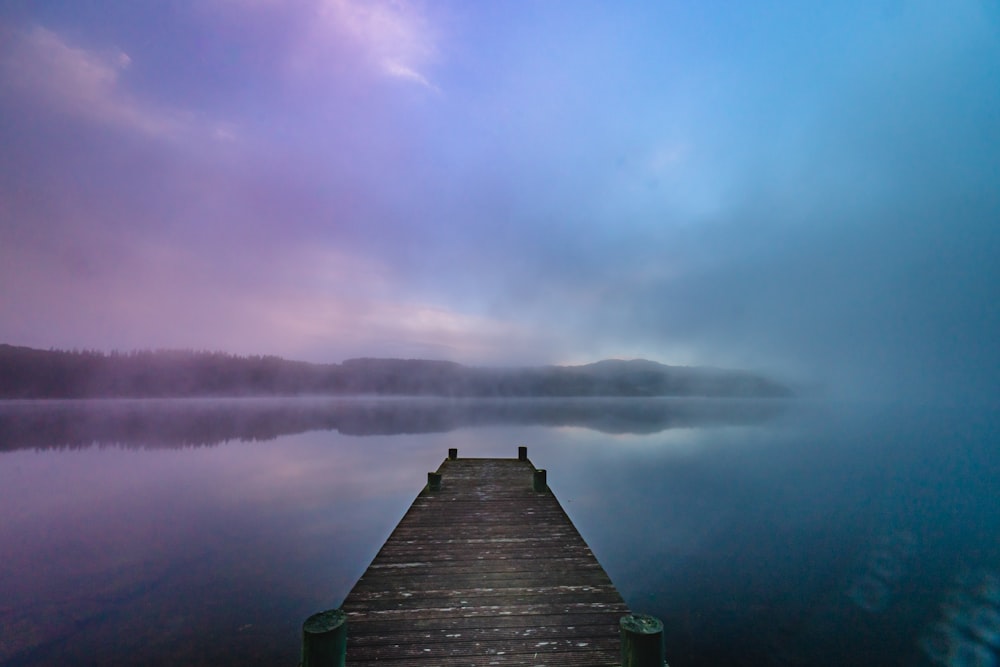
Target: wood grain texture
x,y
484,571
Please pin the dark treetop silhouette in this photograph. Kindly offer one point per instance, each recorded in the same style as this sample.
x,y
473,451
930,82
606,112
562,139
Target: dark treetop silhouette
x,y
32,373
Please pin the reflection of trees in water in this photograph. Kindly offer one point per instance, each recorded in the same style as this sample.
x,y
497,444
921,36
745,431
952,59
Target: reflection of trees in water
x,y
186,423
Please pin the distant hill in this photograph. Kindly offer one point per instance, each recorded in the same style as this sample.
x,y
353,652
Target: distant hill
x,y
31,373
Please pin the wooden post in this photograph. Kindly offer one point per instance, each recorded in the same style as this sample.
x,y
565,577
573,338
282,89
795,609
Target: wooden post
x,y
433,481
522,453
453,453
538,483
642,641
324,639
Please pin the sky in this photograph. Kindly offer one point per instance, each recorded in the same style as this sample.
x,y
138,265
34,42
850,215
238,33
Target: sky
x,y
808,189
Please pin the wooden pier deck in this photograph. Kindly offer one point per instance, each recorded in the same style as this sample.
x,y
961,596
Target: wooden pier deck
x,y
484,571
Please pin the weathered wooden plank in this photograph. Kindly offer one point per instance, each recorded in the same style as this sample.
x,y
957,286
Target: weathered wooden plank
x,y
493,623
483,597
484,571
563,659
491,632
485,582
567,610
490,646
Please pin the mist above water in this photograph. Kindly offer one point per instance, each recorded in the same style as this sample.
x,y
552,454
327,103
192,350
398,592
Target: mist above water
x,y
799,532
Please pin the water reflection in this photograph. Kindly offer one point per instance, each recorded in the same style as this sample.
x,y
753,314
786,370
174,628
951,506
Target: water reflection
x,y
182,423
968,630
765,533
885,565
197,556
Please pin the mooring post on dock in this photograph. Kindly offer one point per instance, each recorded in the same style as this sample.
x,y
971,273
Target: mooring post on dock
x,y
452,453
538,482
433,481
522,453
324,639
642,641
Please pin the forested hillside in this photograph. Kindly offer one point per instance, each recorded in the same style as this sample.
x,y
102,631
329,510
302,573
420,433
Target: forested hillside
x,y
31,373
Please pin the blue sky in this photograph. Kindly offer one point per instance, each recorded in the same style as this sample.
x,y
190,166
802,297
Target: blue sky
x,y
809,189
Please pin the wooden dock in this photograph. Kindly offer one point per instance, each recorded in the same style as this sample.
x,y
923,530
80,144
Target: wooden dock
x,y
485,570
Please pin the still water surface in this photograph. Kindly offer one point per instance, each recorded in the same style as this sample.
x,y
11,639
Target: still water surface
x,y
762,533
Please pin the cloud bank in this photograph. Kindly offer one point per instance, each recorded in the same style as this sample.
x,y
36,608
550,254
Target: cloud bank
x,y
809,191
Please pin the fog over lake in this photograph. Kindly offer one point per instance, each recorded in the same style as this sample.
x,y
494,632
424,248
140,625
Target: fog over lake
x,y
536,198
773,532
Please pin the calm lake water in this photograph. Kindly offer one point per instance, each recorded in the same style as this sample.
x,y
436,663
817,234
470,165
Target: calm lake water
x,y
761,533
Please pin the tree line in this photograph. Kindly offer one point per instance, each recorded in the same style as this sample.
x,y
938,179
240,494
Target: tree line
x,y
32,373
